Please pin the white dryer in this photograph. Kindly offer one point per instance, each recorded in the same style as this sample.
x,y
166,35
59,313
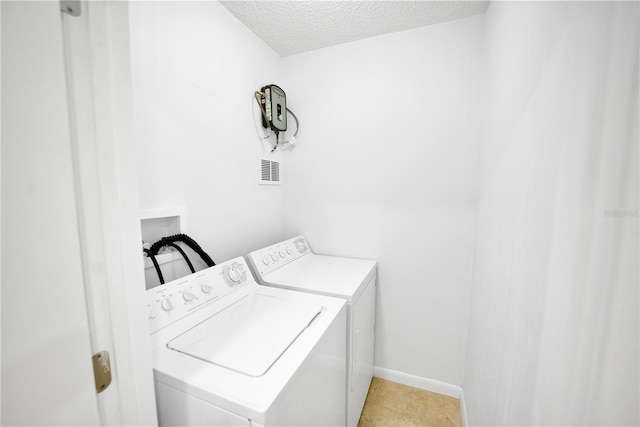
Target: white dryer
x,y
229,352
292,265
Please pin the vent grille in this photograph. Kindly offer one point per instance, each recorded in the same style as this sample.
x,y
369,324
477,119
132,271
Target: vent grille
x,y
269,172
265,170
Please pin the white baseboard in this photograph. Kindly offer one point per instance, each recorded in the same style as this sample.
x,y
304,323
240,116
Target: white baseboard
x,y
418,382
463,411
427,384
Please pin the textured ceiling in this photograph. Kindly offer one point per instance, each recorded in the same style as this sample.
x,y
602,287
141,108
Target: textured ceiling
x,y
291,27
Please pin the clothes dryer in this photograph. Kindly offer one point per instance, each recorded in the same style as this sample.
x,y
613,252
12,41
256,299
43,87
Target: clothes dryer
x,y
229,352
292,265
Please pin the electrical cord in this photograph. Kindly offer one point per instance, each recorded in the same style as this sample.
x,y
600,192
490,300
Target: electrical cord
x,y
297,122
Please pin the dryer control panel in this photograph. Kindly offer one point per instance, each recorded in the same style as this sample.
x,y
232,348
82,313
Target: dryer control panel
x,y
275,256
174,300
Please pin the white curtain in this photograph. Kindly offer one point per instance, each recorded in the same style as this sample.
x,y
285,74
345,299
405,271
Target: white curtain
x,y
553,336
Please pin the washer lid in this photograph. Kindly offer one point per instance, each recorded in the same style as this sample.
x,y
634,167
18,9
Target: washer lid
x,y
248,336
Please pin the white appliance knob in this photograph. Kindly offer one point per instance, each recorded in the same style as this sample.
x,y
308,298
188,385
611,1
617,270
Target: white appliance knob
x,y
234,274
188,296
274,257
289,250
205,288
281,254
166,304
266,260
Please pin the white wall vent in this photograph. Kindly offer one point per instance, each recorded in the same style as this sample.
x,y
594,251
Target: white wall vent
x,y
268,172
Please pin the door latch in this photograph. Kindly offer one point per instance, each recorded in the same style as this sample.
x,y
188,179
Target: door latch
x,y
101,370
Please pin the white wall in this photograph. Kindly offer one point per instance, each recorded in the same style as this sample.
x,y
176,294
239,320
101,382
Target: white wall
x,y
195,68
553,336
385,168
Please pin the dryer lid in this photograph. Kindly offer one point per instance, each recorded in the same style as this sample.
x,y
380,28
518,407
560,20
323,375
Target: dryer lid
x,y
250,335
327,275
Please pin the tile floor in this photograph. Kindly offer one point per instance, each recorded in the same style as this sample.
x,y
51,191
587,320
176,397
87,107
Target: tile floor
x,y
393,404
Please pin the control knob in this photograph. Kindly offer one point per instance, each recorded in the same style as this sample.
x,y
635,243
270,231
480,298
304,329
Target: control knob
x,y
235,274
188,296
206,288
166,304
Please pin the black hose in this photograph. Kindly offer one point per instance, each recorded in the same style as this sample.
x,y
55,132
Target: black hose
x,y
155,264
165,241
186,258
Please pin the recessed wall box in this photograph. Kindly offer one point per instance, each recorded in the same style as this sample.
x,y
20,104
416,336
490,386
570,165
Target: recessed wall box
x,y
158,223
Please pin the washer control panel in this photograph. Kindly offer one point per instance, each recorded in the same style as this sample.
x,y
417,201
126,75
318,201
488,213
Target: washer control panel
x,y
275,256
174,300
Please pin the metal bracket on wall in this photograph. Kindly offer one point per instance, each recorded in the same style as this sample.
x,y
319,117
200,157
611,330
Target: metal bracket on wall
x,y
72,7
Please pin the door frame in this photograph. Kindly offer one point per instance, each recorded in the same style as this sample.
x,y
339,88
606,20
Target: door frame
x,y
98,70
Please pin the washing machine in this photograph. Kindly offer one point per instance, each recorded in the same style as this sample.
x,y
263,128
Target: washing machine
x,y
229,352
292,265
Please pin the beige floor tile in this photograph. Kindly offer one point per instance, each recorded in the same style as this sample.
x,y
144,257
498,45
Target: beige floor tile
x,y
393,404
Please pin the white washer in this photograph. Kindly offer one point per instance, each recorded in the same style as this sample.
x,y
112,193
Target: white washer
x,y
229,352
292,265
